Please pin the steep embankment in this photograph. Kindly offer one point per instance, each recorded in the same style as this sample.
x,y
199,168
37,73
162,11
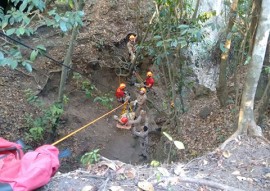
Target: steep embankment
x,y
244,165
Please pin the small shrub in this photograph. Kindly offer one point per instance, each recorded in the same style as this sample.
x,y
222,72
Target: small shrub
x,y
105,101
90,157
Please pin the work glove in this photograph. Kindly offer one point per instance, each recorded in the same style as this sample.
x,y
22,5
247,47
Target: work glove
x,y
115,117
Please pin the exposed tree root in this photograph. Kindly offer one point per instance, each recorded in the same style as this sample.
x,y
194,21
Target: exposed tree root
x,y
30,75
40,89
231,138
209,183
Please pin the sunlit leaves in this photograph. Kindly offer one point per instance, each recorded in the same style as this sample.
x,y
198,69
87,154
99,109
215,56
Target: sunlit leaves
x,y
33,55
10,62
66,21
247,60
267,69
182,27
222,47
63,26
159,43
179,145
10,31
18,22
206,15
168,136
27,65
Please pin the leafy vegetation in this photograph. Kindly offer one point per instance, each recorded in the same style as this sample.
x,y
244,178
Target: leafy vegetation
x,y
45,122
90,157
179,145
173,31
84,84
24,21
105,101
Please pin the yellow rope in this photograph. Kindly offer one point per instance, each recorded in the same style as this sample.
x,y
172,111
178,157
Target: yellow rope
x,y
124,110
74,132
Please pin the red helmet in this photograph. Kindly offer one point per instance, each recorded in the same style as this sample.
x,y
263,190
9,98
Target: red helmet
x,y
124,120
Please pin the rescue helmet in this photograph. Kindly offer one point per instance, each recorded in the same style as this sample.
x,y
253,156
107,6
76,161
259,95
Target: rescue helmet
x,y
122,86
124,120
131,37
149,74
143,90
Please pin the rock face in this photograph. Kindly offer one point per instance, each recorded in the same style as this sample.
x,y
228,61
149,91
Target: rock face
x,y
203,58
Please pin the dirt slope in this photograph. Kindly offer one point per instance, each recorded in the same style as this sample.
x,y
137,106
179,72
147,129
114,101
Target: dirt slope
x,y
244,165
106,22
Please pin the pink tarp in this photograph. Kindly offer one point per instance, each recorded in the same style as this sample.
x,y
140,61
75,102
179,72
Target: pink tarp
x,y
29,171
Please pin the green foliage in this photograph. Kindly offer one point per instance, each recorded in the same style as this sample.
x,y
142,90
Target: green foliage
x,y
30,97
20,22
173,32
90,157
65,21
267,69
154,163
203,17
69,2
65,100
105,101
179,145
45,121
84,84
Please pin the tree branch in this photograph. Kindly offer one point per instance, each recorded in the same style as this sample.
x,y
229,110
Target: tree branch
x,y
209,183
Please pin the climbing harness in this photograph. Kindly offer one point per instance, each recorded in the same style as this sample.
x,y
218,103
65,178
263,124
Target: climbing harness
x,y
126,108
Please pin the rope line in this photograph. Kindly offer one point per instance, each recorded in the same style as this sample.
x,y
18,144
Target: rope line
x,y
68,67
54,60
83,127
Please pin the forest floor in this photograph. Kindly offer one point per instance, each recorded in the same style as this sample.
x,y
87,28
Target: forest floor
x,y
203,127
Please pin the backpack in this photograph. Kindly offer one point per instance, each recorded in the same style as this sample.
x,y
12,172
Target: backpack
x,y
29,171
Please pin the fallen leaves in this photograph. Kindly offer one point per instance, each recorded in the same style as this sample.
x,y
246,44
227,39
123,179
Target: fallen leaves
x,y
146,186
179,170
179,145
237,172
226,154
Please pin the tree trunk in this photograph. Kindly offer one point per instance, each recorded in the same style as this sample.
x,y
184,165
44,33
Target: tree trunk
x,y
246,115
246,120
67,65
263,105
256,8
222,91
265,100
194,16
68,61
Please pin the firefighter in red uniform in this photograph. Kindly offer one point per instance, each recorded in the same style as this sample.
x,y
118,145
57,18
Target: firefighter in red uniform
x,y
149,82
121,93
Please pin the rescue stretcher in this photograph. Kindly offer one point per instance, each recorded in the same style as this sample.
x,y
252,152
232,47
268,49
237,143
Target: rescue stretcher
x,y
130,116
